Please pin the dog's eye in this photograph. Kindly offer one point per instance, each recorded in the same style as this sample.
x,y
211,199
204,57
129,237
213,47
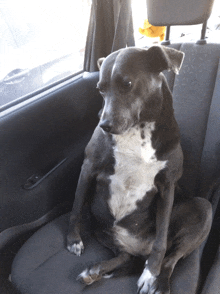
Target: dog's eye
x,y
127,84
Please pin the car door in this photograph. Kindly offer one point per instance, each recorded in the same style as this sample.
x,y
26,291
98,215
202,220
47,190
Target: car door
x,y
42,146
44,131
48,111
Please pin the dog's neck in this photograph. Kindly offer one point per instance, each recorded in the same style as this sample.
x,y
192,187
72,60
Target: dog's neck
x,y
166,134
137,141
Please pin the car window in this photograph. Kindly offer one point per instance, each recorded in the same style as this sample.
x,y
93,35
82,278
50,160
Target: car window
x,y
41,43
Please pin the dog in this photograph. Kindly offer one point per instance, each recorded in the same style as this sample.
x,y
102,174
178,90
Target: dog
x,y
135,160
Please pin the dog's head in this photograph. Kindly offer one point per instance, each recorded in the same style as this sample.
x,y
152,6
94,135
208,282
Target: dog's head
x,y
131,85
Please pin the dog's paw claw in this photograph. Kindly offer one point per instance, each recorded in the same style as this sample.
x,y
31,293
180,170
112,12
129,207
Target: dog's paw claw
x,y
145,283
108,276
89,276
77,248
85,277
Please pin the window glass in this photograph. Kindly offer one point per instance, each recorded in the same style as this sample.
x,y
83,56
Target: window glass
x,y
177,33
41,42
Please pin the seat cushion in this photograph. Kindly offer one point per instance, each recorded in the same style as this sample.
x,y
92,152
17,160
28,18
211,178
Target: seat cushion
x,y
44,266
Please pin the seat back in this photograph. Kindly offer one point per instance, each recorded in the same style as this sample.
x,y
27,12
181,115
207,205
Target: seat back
x,y
195,90
196,99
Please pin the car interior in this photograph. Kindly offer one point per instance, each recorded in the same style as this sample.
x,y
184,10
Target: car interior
x,y
43,137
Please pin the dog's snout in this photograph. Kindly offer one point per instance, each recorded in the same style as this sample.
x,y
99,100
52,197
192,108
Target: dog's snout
x,y
106,126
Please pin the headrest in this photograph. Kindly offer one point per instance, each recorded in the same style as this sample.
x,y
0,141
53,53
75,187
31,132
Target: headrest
x,y
178,12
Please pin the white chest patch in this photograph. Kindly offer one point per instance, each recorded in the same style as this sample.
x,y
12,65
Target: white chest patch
x,y
135,169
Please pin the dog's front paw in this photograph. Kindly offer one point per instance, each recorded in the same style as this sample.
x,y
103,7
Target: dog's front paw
x,y
76,248
150,284
89,276
75,244
146,282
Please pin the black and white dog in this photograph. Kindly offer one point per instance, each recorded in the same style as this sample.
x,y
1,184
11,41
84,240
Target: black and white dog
x,y
135,159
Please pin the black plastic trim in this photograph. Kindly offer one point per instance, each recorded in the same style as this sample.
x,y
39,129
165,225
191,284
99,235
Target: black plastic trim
x,y
41,90
36,179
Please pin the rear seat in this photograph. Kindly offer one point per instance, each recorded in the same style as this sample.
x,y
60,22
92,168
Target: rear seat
x,y
196,99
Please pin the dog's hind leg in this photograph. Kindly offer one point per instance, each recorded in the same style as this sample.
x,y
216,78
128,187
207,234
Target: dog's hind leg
x,y
189,226
103,268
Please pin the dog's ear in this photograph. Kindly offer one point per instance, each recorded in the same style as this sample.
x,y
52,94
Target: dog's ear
x,y
100,61
161,58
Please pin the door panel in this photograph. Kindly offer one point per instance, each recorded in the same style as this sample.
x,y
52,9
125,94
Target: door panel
x,y
42,147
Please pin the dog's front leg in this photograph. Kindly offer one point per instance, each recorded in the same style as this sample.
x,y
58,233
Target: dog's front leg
x,y
164,208
74,241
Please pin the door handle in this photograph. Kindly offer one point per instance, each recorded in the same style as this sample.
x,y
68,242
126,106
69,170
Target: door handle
x,y
36,179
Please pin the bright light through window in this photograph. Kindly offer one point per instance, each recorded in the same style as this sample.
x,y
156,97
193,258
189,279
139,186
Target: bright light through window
x,y
41,42
178,33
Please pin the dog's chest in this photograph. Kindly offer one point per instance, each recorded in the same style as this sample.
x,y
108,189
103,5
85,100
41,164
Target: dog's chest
x,y
135,169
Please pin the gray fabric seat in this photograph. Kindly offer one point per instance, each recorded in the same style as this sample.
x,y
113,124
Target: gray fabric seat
x,y
43,265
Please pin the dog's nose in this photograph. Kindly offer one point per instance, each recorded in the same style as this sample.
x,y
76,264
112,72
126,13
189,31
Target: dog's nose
x,y
106,126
